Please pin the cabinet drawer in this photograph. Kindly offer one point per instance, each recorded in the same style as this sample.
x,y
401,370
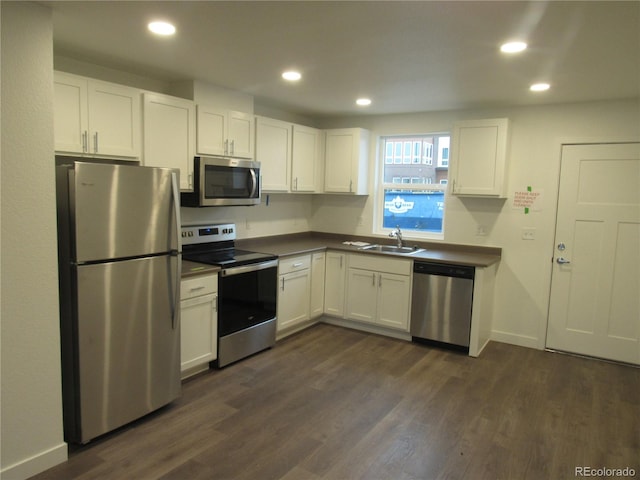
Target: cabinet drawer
x,y
197,286
294,264
379,263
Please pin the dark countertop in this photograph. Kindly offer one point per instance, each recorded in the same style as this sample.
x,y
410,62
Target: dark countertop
x,y
298,244
191,269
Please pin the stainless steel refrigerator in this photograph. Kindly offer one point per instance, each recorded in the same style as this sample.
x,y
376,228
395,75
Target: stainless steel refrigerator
x,y
119,267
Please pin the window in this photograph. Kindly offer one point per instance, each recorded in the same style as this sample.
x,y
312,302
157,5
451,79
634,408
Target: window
x,y
411,194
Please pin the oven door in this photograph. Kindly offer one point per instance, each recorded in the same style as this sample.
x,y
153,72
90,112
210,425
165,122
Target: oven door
x,y
246,296
228,181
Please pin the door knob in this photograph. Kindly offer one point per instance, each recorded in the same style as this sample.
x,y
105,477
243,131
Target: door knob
x,y
562,261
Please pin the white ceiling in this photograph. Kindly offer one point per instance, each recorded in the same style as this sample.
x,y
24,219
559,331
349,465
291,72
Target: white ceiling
x,y
406,56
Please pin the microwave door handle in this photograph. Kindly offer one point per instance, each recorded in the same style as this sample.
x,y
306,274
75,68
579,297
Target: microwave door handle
x,y
254,182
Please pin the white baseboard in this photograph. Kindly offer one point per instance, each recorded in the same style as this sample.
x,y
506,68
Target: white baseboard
x,y
514,339
36,464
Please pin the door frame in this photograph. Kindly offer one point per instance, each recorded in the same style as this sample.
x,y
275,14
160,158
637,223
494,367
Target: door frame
x,y
561,142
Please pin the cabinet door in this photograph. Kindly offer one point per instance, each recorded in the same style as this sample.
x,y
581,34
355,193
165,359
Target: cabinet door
x,y
114,120
241,134
478,157
317,284
334,284
393,301
339,153
212,127
293,298
273,151
362,286
70,113
198,331
169,135
305,155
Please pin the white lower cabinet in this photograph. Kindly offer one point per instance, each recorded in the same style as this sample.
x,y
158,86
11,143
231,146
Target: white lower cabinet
x,y
317,284
379,291
334,283
198,323
294,291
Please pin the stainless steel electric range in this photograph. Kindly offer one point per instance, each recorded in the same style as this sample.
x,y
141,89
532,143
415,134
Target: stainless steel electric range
x,y
247,290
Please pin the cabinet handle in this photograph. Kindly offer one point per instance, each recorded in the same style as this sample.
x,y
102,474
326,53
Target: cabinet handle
x,y
226,147
296,265
282,287
215,305
380,281
84,141
95,142
341,257
195,289
233,147
190,179
350,186
373,278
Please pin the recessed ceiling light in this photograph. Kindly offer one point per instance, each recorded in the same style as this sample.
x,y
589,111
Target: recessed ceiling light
x,y
539,87
292,76
513,47
363,102
162,28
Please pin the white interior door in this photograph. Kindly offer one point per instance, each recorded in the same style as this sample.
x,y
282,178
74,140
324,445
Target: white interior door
x,y
595,289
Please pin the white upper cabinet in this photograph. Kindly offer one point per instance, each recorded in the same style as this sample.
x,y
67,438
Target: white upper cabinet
x,y
96,118
306,159
169,135
479,150
225,132
273,151
347,161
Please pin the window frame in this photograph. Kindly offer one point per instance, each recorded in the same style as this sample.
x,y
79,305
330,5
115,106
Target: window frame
x,y
379,197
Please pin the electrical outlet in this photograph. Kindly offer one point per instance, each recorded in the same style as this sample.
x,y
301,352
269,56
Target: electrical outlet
x,y
528,233
481,231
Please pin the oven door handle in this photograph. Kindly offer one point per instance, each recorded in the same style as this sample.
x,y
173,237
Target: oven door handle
x,y
227,272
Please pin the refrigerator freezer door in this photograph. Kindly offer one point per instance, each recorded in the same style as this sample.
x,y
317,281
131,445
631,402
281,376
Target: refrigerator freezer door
x,y
129,341
123,211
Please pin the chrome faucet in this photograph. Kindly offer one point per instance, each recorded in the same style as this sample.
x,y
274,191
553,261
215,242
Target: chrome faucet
x,y
397,233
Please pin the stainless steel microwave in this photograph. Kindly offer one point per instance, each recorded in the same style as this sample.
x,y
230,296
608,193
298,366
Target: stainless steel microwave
x,y
222,181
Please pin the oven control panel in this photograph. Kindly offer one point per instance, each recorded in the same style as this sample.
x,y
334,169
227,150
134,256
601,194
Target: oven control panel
x,y
194,234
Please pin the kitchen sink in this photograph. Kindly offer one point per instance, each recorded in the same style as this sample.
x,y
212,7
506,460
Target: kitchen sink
x,y
392,249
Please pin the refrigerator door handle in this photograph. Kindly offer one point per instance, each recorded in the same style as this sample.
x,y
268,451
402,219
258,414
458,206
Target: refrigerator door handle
x,y
176,277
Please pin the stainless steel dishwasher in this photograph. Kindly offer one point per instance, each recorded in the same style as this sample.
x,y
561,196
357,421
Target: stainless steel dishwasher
x,y
441,303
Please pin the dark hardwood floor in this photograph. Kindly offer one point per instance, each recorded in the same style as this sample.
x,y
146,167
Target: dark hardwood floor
x,y
333,403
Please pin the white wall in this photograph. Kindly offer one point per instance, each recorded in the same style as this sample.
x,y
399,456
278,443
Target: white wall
x,y
524,274
276,215
31,432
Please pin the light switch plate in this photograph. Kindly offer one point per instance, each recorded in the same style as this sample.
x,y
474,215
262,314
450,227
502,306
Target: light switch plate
x,y
528,233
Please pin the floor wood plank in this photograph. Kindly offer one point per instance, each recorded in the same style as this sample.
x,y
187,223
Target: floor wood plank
x,y
331,404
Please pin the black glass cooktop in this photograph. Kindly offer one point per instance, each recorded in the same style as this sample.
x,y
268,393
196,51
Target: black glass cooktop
x,y
226,257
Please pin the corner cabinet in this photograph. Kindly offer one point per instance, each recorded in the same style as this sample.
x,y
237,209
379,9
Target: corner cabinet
x,y
225,132
169,134
96,118
479,150
347,161
198,323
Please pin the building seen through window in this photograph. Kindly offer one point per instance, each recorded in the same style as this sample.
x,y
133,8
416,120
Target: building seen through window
x,y
414,177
